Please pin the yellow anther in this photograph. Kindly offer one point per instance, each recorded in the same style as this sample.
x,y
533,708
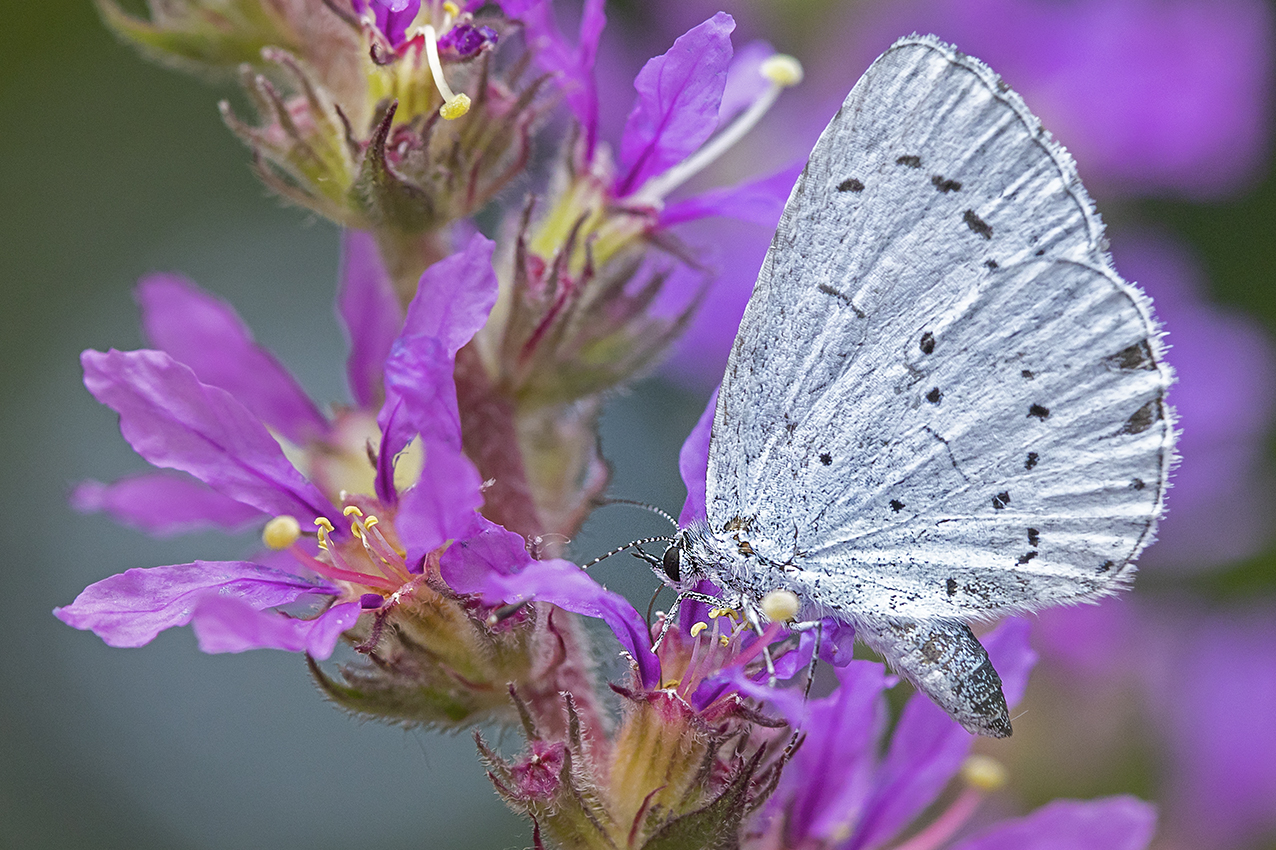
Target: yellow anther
x,y
451,9
782,69
671,684
698,628
780,606
281,532
352,510
370,521
983,773
723,640
325,528
454,105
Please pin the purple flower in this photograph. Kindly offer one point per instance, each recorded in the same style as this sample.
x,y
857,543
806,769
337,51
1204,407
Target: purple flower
x,y
205,403
839,792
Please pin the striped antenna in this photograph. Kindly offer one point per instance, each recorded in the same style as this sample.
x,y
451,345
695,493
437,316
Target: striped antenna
x,y
620,549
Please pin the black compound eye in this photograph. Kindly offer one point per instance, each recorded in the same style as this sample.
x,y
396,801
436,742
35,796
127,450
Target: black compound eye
x,y
671,565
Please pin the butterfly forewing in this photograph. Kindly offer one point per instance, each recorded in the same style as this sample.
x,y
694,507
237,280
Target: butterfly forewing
x,y
942,400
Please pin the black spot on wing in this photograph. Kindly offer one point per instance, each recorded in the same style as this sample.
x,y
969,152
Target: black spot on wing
x,y
977,224
1137,484
1026,557
826,458
992,264
927,344
1000,500
945,185
910,160
1144,418
1040,252
850,185
1033,457
1034,537
1026,374
934,395
1106,565
952,586
1042,413
897,505
1137,356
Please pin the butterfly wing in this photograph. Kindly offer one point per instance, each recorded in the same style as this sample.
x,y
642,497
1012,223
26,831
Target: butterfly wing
x,y
942,402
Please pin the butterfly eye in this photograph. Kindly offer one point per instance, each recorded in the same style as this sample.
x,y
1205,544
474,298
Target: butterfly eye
x,y
670,564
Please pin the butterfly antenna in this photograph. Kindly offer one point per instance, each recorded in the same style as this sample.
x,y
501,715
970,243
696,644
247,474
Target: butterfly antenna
x,y
636,504
620,549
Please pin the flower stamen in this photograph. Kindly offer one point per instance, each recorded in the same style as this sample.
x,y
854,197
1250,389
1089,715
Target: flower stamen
x,y
454,105
981,775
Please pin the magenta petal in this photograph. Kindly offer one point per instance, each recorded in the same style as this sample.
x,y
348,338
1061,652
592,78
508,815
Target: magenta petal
x,y
132,607
454,296
420,398
441,505
206,334
369,311
928,747
1111,823
760,201
226,624
678,98
176,422
831,778
693,464
163,504
495,565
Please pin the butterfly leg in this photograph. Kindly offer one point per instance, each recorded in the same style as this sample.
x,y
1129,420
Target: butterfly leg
x,y
944,660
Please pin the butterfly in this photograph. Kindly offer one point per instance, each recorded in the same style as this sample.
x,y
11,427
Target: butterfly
x,y
943,404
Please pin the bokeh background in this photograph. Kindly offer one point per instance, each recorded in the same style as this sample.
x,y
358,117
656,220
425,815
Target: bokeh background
x,y
111,167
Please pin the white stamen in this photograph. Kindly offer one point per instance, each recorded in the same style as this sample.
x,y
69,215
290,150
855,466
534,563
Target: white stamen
x,y
454,105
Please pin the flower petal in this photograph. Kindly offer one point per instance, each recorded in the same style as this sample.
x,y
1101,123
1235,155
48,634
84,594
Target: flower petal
x,y
370,313
163,504
453,300
454,296
928,747
206,334
132,607
441,505
227,624
494,564
826,788
759,201
420,398
693,464
678,98
1111,823
174,421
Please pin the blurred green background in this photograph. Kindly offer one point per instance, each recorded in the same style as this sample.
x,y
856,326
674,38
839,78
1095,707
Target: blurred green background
x,y
111,167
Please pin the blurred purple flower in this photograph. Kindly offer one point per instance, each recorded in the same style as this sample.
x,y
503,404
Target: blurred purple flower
x,y
208,417
1212,691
